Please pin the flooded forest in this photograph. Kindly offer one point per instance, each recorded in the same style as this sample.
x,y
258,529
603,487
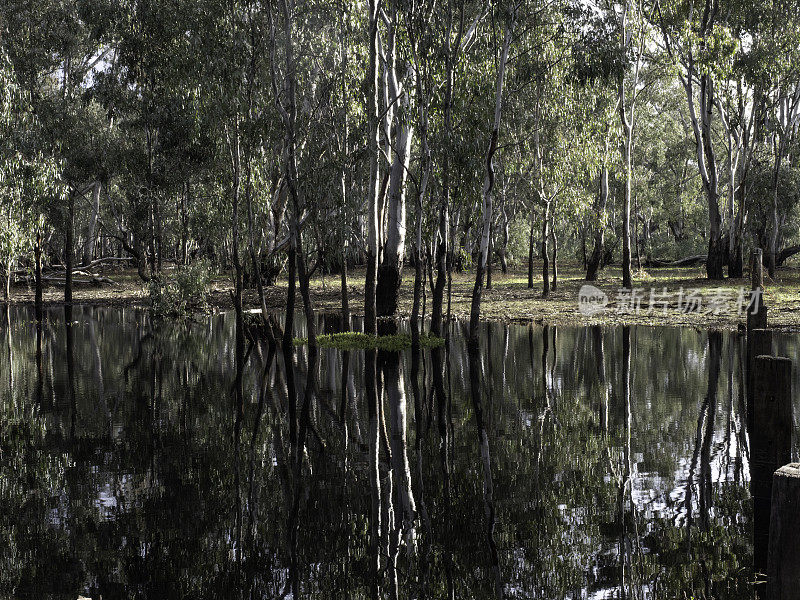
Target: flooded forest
x,y
399,299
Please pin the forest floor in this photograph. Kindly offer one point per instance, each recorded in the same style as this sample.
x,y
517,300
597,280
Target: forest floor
x,y
668,296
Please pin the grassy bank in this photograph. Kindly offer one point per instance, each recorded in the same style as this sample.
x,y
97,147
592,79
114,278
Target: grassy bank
x,y
509,300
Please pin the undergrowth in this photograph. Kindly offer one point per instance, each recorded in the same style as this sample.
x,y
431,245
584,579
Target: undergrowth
x,y
354,340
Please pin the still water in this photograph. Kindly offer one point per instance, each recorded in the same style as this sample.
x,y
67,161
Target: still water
x,y
143,459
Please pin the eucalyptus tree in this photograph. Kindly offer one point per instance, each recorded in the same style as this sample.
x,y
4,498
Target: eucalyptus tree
x,y
700,47
398,128
300,81
420,43
508,17
371,89
553,134
28,181
53,50
631,25
456,28
540,105
782,40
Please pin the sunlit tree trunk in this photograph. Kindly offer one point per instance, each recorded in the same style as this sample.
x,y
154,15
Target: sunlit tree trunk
x,y
370,320
398,100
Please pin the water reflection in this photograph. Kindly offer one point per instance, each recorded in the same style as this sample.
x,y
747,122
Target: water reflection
x,y
142,459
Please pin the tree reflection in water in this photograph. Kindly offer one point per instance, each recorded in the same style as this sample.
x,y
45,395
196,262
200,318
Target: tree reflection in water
x,y
144,459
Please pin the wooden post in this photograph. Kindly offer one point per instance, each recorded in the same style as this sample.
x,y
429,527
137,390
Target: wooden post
x,y
783,573
757,269
771,443
759,342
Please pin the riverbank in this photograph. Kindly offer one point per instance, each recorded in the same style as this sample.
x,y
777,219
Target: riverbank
x,y
677,296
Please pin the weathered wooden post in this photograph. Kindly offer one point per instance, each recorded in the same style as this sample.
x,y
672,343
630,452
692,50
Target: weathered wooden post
x,y
757,310
771,443
757,269
759,342
783,572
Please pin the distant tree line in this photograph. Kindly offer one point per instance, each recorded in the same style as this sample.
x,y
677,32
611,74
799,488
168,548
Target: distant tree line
x,y
287,138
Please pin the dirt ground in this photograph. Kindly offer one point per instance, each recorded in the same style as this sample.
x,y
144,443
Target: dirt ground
x,y
715,304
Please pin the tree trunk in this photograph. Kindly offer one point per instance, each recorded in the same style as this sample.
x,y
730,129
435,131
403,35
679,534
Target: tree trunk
x,y
91,226
345,187
772,249
38,307
185,225
504,247
235,194
291,175
627,281
370,320
7,283
68,249
595,261
488,186
444,207
554,237
530,253
716,249
419,276
345,293
489,260
391,269
545,257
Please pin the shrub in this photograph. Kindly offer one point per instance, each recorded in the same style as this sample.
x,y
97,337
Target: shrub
x,y
185,291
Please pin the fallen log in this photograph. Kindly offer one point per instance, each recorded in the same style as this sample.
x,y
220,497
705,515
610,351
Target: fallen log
x,y
689,261
94,280
78,269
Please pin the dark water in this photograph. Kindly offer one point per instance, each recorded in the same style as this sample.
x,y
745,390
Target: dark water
x,y
568,463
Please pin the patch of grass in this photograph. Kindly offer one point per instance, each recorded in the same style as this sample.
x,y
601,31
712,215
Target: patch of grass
x,y
353,340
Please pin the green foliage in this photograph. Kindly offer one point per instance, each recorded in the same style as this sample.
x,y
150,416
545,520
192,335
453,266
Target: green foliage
x,y
184,291
353,340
